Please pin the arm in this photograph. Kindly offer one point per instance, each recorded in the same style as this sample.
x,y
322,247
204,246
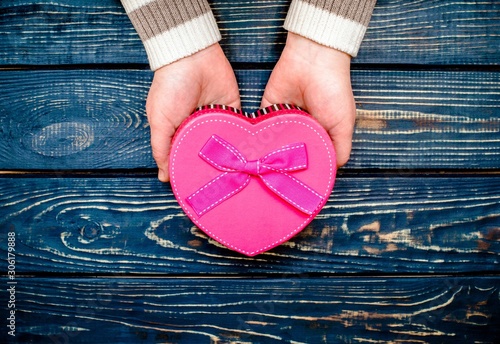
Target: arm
x,y
314,68
181,41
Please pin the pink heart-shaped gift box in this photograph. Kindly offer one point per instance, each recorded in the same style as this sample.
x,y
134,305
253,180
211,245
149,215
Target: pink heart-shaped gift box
x,y
251,181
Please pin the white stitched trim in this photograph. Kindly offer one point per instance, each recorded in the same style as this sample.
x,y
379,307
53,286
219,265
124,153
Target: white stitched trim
x,y
220,200
236,153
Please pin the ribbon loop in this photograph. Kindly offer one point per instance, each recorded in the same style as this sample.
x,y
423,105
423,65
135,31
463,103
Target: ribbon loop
x,y
273,169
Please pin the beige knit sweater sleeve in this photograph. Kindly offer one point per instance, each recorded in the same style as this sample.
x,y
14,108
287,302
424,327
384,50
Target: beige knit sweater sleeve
x,y
173,29
339,24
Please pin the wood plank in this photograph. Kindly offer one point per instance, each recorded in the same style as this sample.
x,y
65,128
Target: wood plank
x,y
429,119
134,225
74,119
98,31
287,310
95,119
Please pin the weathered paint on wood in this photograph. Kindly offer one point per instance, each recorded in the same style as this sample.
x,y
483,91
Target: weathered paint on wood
x,y
79,119
369,225
92,32
95,119
77,235
288,310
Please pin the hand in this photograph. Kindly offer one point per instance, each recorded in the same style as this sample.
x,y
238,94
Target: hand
x,y
316,78
179,88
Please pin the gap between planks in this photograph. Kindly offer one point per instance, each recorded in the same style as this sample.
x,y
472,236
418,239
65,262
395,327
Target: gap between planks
x,y
350,173
261,276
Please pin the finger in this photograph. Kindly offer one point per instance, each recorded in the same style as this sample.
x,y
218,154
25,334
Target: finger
x,y
343,146
270,96
281,89
163,125
162,131
231,98
275,93
235,103
341,136
265,102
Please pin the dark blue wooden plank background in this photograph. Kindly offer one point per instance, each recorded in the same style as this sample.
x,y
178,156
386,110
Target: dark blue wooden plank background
x,y
406,250
98,31
439,119
291,310
385,224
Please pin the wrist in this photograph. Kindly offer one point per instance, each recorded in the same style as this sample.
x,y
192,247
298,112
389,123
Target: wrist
x,y
195,61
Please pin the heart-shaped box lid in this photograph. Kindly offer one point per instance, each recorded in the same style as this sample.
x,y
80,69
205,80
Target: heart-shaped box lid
x,y
252,181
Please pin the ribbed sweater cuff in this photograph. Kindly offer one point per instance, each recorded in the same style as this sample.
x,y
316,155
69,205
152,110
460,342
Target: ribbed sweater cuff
x,y
342,31
182,41
171,30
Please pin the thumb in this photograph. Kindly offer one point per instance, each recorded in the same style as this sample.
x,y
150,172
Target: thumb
x,y
342,141
265,102
273,94
164,117
341,135
338,118
162,131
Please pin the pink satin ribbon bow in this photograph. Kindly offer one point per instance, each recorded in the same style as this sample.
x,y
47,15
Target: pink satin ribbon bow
x,y
273,169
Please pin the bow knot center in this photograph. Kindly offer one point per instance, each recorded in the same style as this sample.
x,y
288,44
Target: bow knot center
x,y
252,167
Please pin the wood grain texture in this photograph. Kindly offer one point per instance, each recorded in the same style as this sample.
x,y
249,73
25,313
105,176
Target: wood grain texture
x,y
95,119
98,31
291,310
113,259
430,119
79,119
369,225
